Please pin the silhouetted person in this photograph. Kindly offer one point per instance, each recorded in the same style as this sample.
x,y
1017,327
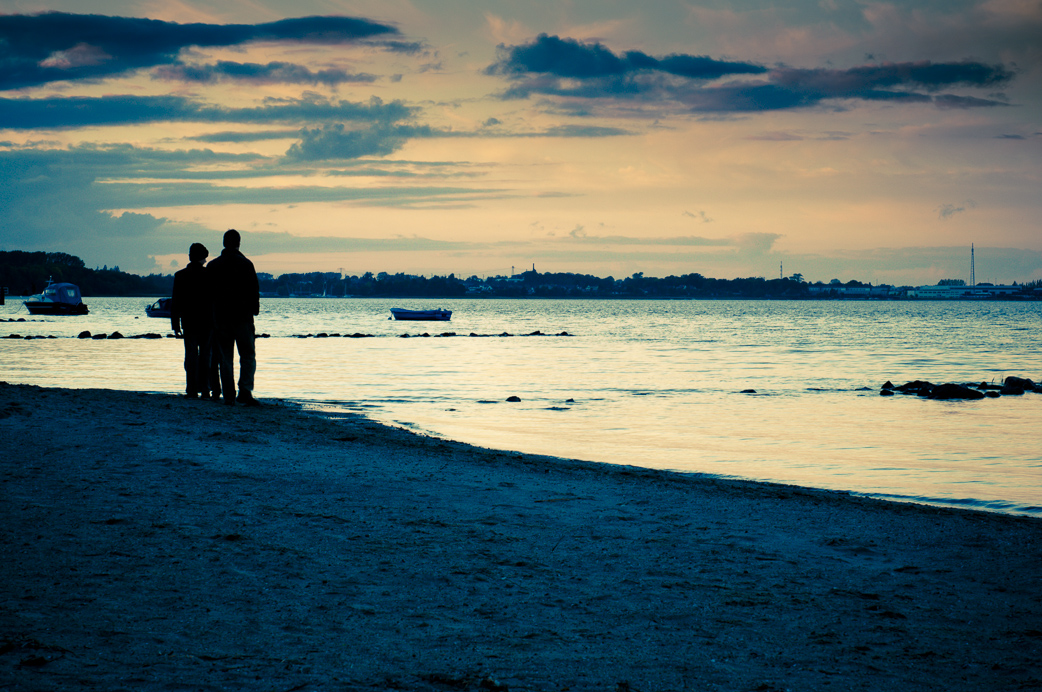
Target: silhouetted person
x,y
236,300
191,316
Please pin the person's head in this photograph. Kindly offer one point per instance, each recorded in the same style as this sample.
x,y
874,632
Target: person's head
x,y
232,239
197,252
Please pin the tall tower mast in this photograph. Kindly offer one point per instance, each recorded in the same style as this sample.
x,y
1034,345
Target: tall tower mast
x,y
973,278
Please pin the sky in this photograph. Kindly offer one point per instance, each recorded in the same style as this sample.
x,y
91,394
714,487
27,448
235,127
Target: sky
x,y
832,139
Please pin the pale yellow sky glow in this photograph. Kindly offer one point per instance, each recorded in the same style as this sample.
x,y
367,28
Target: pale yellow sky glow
x,y
874,142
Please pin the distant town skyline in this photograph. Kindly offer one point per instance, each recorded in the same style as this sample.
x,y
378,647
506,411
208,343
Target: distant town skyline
x,y
867,141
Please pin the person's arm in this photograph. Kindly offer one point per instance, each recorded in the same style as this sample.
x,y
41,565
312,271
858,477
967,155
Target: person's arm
x,y
175,316
255,291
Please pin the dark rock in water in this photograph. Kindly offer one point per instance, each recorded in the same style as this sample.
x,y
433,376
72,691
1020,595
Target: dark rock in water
x,y
13,336
569,401
920,387
954,391
747,391
321,335
1019,385
153,335
115,335
84,335
513,399
886,392
564,334
100,336
447,334
888,385
1022,382
992,394
536,333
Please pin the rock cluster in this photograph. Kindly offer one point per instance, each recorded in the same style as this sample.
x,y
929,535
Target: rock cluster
x,y
1011,386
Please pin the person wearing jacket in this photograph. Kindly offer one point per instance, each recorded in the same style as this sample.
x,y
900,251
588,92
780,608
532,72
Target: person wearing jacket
x,y
235,293
191,317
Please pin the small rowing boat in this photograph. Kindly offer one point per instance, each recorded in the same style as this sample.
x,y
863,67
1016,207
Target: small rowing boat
x,y
421,315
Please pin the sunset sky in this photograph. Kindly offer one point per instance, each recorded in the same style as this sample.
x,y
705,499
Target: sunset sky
x,y
834,139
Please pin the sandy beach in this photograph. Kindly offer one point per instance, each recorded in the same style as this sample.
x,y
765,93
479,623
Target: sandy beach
x,y
151,542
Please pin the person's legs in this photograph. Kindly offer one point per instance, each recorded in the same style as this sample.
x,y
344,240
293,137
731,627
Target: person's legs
x,y
245,343
191,364
225,344
203,367
214,367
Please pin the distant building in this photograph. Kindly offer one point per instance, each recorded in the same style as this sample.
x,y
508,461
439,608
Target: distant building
x,y
953,292
837,289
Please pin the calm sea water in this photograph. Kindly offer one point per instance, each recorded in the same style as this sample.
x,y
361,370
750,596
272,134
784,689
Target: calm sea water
x,y
659,384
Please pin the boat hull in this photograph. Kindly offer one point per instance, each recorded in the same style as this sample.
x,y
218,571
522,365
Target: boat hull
x,y
421,315
52,308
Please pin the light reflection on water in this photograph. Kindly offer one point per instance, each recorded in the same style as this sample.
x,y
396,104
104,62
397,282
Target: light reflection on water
x,y
650,383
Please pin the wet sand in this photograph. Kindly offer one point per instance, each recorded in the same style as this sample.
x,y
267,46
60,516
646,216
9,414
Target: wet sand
x,y
150,542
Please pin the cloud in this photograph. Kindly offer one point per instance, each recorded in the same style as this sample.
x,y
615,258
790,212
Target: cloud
x,y
756,243
947,211
551,55
233,136
577,131
62,112
867,78
253,73
62,199
41,48
336,142
948,101
559,67
699,216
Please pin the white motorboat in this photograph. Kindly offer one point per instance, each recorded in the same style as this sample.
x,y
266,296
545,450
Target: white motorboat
x,y
57,299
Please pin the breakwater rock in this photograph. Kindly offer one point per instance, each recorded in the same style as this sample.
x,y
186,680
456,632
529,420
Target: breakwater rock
x,y
1011,386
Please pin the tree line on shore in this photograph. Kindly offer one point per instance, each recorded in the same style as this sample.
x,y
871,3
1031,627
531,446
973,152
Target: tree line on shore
x,y
26,273
531,284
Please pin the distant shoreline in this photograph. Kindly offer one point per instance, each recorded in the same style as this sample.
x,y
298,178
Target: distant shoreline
x,y
862,299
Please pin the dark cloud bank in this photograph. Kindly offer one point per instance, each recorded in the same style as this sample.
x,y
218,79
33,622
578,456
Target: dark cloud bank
x,y
271,73
565,67
61,112
43,48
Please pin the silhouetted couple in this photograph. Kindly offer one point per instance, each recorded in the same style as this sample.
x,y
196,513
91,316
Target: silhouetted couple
x,y
214,307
